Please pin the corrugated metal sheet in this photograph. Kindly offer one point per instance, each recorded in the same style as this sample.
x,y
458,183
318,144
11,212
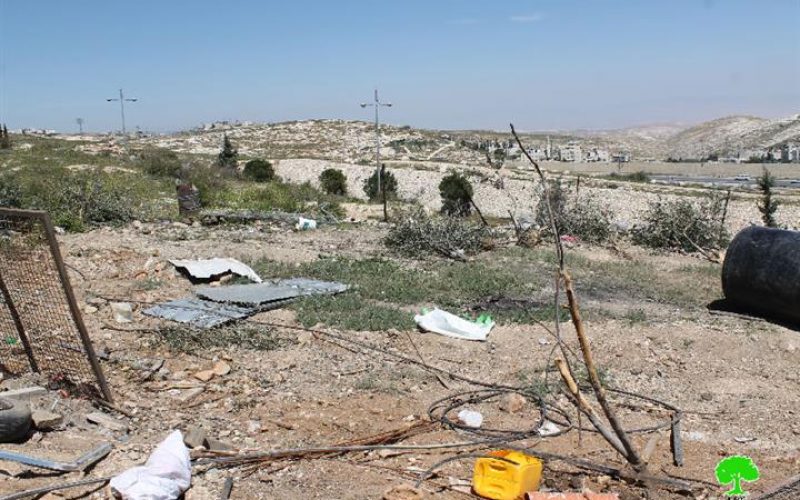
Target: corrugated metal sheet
x,y
198,312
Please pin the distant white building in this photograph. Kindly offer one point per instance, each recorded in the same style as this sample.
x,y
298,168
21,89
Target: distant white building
x,y
571,152
752,155
538,154
793,152
596,154
621,157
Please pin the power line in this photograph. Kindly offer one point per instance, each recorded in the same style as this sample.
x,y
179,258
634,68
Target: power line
x,y
122,101
377,104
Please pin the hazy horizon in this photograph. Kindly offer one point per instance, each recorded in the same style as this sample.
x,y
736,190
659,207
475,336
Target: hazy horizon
x,y
449,65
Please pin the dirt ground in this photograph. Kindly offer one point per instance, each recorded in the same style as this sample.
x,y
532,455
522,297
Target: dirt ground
x,y
736,380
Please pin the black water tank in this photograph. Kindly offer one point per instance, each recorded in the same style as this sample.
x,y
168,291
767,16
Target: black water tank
x,y
761,272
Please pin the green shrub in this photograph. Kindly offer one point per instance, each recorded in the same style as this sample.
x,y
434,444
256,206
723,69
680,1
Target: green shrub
x,y
682,224
160,162
259,170
10,191
388,183
583,217
228,155
333,181
416,235
73,199
456,193
639,176
210,181
768,205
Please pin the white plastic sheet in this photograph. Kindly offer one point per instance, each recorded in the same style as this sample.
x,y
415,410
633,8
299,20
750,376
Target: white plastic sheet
x,y
444,323
305,224
165,475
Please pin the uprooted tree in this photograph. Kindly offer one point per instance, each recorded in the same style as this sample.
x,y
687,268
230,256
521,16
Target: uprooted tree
x,y
616,436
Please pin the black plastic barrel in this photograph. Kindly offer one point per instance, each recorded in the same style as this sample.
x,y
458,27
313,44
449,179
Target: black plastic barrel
x,y
761,273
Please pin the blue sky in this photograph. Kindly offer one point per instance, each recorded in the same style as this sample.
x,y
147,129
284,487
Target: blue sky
x,y
544,65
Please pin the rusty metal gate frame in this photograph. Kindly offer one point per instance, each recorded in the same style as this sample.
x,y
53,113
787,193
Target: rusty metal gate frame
x,y
49,232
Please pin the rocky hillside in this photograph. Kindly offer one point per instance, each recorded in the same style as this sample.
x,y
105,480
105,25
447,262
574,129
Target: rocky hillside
x,y
354,141
730,135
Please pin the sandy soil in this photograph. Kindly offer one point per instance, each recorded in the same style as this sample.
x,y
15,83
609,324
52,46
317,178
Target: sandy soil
x,y
736,380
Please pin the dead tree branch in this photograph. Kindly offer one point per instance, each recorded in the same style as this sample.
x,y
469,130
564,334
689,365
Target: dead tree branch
x,y
619,441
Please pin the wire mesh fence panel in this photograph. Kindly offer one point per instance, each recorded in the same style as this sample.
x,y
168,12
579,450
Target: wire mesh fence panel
x,y
40,324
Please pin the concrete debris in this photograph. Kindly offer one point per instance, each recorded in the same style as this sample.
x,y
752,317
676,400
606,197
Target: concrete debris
x,y
122,311
46,420
195,437
213,269
217,445
107,421
24,394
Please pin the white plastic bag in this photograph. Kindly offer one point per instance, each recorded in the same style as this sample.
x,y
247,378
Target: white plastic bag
x,y
444,323
165,475
304,224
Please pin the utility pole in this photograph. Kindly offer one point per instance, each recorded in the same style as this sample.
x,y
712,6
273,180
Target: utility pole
x,y
122,101
377,104
79,121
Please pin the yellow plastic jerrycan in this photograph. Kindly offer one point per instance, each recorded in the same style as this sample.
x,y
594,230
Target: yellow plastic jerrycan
x,y
506,475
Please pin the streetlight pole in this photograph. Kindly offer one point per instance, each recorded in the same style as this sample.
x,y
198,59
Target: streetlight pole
x,y
377,104
122,101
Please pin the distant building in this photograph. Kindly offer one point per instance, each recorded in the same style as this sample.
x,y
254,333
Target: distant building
x,y
621,157
538,154
793,152
596,154
572,152
746,155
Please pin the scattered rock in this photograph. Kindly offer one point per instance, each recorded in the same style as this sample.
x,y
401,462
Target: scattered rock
x,y
46,420
89,309
217,445
107,421
403,492
305,338
221,368
190,394
122,311
253,426
195,437
470,418
512,402
24,393
204,375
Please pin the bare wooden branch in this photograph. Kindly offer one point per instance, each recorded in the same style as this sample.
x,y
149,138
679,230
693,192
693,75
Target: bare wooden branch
x,y
594,380
619,440
586,408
